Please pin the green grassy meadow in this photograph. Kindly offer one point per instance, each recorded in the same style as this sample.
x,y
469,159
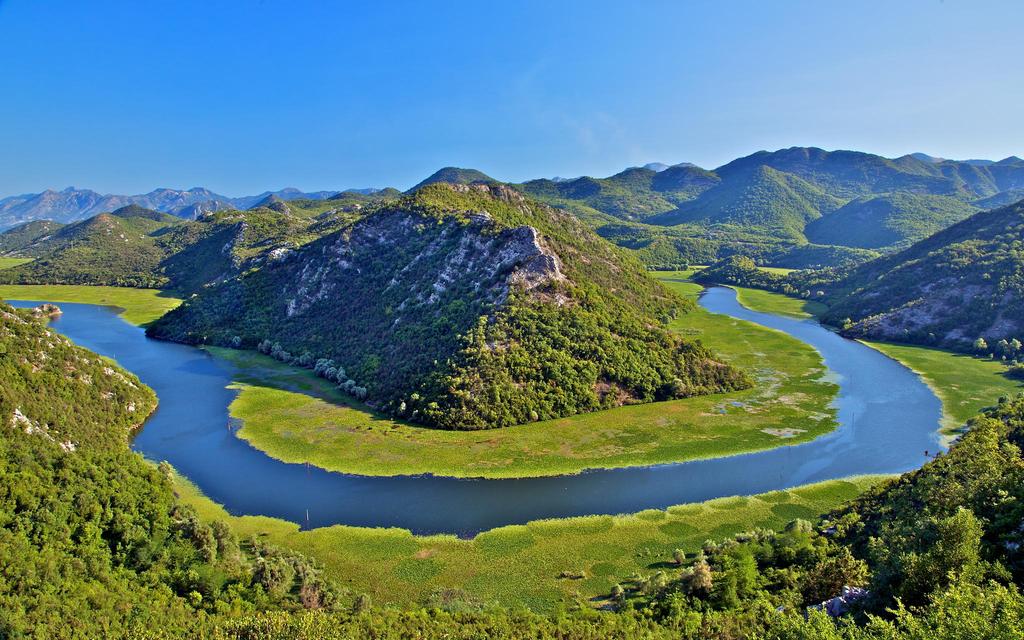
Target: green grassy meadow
x,y
521,565
139,306
296,417
768,302
7,263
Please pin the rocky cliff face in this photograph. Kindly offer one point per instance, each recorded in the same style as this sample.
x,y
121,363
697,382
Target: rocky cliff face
x,y
452,255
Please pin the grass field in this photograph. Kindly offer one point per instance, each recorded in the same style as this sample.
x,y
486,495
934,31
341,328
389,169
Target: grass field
x,y
140,306
768,302
520,565
964,383
296,417
7,263
779,271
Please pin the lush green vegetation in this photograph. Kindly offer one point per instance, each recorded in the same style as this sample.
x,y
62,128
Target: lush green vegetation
x,y
889,221
961,284
93,542
768,206
116,553
473,308
140,306
298,417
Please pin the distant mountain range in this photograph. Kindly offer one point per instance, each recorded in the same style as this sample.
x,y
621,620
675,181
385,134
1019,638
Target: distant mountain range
x,y
72,205
799,207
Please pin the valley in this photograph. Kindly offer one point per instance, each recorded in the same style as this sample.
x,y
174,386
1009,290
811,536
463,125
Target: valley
x,y
511,321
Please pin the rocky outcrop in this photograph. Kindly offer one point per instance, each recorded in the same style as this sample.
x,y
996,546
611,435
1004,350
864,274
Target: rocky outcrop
x,y
473,254
46,310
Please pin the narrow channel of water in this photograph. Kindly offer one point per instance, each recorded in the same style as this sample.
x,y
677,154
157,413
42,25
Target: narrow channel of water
x,y
888,419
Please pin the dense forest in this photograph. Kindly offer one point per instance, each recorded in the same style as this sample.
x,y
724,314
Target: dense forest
x,y
463,307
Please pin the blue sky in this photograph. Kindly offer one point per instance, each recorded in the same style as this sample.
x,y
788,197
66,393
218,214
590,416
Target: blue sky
x,y
250,95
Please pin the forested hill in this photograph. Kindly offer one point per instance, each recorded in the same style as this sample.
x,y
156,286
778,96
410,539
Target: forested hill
x,y
463,306
139,247
93,543
62,393
961,288
961,284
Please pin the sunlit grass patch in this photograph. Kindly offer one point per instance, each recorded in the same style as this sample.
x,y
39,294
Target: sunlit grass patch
x,y
139,306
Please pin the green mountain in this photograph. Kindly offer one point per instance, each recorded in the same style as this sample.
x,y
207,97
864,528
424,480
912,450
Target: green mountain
x,y
15,240
958,285
888,221
463,306
634,194
454,175
766,203
781,204
118,248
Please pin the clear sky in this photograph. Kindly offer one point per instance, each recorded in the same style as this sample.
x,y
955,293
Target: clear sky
x,y
125,96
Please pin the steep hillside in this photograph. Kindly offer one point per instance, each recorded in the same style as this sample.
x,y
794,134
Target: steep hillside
x,y
92,539
888,221
463,306
15,240
958,285
61,393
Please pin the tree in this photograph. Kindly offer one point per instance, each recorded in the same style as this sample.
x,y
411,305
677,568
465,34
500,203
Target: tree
x,y
980,345
679,556
700,579
827,578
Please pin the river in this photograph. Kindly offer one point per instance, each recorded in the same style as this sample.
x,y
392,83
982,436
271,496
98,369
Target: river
x,y
888,419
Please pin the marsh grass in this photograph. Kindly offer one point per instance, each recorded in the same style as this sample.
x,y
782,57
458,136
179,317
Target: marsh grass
x,y
138,306
543,565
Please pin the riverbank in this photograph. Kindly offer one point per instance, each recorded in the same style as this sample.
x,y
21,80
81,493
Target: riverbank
x,y
138,306
296,417
965,384
544,565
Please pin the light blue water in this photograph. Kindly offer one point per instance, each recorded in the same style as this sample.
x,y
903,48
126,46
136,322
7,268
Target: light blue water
x,y
888,418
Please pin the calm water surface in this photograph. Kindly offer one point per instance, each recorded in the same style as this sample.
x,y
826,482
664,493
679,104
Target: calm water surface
x,y
888,419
